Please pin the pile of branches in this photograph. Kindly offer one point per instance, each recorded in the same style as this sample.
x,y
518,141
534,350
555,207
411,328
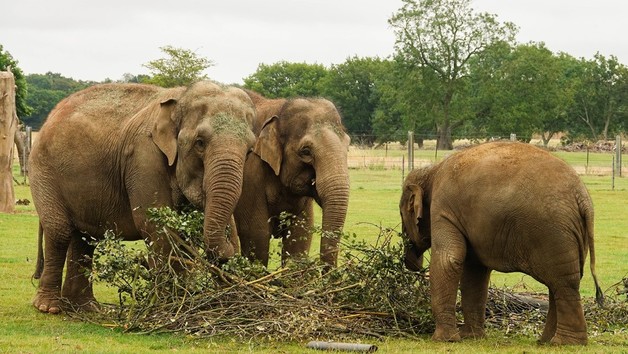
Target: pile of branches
x,y
370,294
599,146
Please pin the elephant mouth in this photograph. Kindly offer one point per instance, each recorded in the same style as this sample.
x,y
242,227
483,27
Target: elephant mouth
x,y
303,186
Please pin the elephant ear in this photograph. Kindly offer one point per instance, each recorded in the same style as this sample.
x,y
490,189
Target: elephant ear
x,y
268,145
415,202
165,130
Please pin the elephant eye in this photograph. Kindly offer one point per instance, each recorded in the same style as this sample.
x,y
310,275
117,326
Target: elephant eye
x,y
305,151
199,144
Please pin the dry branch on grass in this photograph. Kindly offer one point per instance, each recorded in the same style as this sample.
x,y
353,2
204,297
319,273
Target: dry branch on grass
x,y
371,294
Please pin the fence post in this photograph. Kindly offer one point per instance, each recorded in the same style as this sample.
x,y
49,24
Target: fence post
x,y
410,150
618,154
403,166
613,175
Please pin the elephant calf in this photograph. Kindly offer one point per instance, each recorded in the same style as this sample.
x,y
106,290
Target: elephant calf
x,y
502,206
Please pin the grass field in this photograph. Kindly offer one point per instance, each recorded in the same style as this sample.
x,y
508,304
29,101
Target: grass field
x,y
373,204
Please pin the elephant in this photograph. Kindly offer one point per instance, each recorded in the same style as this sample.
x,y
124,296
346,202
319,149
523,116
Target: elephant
x,y
108,153
505,206
299,156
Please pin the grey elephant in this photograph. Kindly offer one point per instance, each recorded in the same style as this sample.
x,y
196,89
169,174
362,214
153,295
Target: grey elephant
x,y
503,206
108,153
300,156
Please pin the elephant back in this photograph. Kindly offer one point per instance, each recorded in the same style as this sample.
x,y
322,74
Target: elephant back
x,y
109,103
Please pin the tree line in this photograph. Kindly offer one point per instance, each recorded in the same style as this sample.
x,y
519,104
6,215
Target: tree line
x,y
454,74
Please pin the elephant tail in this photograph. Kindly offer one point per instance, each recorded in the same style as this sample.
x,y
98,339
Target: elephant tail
x,y
588,218
40,253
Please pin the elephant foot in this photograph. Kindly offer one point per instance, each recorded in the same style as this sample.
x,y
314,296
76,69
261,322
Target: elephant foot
x,y
47,301
545,338
470,332
569,339
446,335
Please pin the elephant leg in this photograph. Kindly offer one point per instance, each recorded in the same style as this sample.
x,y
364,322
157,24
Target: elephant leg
x,y
234,239
77,288
448,255
253,225
254,236
474,293
297,243
565,322
57,240
550,323
571,327
256,248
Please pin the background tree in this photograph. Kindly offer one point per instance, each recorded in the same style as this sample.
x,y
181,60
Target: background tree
x,y
284,79
45,91
352,87
6,61
519,90
565,98
180,67
441,36
601,98
403,104
136,79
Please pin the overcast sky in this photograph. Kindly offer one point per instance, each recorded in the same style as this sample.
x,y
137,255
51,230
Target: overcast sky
x,y
91,40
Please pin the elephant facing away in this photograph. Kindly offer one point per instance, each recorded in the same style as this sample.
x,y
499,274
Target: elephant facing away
x,y
503,206
108,153
300,156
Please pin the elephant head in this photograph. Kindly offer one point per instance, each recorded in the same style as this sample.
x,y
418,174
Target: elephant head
x,y
415,218
305,144
205,133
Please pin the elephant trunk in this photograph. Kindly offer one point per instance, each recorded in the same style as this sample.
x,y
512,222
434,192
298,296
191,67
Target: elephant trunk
x,y
413,259
333,190
222,187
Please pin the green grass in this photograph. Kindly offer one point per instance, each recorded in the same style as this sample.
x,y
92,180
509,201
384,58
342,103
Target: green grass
x,y
373,203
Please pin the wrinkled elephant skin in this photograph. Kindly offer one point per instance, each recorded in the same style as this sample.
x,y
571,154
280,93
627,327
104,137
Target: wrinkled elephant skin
x,y
300,156
108,153
503,206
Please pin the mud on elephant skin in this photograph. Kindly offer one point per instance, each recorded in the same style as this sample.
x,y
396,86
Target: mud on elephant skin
x,y
108,153
300,156
510,207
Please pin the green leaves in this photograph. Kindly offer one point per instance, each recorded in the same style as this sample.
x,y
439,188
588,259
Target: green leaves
x,y
21,92
121,267
180,67
441,37
285,80
45,91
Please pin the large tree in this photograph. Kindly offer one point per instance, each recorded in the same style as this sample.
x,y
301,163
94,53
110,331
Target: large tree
x,y
284,79
180,67
440,37
7,61
520,90
352,87
601,98
403,103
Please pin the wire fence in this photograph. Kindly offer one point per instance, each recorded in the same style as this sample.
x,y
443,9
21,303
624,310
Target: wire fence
x,y
596,160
